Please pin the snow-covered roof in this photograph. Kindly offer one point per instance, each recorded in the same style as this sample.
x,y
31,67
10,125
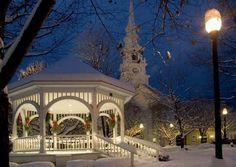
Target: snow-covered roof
x,y
71,69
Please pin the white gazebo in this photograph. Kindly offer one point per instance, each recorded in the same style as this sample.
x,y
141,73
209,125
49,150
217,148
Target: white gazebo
x,y
69,89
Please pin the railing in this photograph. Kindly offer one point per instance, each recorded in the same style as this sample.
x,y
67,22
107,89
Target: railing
x,y
31,143
107,147
53,143
68,142
143,147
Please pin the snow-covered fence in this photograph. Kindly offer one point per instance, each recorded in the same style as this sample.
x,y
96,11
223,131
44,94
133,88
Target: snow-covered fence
x,y
143,147
31,143
107,147
68,142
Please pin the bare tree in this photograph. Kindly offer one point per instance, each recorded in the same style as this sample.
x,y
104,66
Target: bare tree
x,y
96,48
204,115
11,60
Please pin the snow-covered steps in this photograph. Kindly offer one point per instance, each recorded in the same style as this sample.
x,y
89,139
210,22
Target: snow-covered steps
x,y
143,147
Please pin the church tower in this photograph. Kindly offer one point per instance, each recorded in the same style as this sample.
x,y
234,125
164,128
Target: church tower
x,y
133,67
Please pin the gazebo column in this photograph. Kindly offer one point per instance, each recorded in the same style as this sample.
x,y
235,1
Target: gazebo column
x,y
14,127
115,128
94,114
54,133
122,125
25,132
94,127
42,125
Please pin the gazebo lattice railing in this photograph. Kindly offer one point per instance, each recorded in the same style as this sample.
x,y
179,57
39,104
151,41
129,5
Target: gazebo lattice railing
x,y
53,143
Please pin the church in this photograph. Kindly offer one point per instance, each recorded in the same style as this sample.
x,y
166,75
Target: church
x,y
142,108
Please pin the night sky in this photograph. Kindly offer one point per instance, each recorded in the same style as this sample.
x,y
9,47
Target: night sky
x,y
186,40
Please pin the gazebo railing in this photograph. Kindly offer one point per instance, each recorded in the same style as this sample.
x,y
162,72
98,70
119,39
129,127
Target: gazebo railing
x,y
53,143
144,147
68,142
109,148
31,143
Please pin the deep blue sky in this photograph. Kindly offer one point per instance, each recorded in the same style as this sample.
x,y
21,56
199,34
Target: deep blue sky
x,y
182,42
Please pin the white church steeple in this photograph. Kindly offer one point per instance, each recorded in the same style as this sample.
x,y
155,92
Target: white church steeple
x,y
133,68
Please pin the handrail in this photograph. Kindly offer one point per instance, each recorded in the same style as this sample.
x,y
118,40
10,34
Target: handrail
x,y
30,143
106,146
143,146
53,143
71,142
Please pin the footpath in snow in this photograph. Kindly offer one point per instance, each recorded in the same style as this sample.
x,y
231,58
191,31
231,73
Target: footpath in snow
x,y
199,156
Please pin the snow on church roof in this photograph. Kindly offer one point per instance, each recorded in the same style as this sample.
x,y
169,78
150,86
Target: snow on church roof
x,y
71,69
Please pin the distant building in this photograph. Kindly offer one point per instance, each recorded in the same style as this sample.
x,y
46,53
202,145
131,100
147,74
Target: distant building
x,y
133,70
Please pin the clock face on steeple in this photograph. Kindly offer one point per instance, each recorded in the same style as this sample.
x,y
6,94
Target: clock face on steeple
x,y
134,57
135,70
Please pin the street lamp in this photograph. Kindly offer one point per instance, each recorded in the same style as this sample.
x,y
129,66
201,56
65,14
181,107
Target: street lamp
x,y
225,112
141,126
213,24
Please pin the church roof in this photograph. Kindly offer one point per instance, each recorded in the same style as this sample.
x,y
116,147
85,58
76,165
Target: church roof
x,y
71,69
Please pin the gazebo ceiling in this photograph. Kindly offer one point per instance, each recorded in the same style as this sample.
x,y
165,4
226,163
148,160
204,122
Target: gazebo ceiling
x,y
70,70
27,107
68,106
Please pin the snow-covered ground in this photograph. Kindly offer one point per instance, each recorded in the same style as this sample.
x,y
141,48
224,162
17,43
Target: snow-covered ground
x,y
198,156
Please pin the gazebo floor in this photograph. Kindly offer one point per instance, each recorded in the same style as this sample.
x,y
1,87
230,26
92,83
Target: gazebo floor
x,y
58,157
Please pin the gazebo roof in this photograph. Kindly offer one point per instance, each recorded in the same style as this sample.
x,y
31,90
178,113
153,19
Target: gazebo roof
x,y
71,69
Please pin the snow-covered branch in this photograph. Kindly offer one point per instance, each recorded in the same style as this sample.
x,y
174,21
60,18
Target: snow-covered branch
x,y
16,52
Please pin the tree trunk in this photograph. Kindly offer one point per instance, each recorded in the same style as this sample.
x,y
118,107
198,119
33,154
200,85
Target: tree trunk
x,y
12,60
4,139
202,132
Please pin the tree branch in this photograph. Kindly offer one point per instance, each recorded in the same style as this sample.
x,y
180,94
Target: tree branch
x,y
15,53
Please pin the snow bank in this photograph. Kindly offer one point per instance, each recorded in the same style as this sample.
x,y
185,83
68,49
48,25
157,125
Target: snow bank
x,y
13,164
38,164
199,156
205,146
80,163
112,162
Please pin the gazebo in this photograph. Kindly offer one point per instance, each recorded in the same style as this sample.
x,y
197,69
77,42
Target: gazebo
x,y
68,89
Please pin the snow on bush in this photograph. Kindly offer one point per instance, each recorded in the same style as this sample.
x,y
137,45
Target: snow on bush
x,y
38,164
80,163
13,164
112,162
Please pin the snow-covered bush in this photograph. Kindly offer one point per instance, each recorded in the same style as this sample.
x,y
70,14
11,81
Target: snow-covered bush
x,y
38,164
163,157
112,162
13,164
80,163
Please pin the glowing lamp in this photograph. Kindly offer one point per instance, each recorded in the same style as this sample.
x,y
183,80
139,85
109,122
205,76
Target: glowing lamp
x,y
141,126
212,20
225,112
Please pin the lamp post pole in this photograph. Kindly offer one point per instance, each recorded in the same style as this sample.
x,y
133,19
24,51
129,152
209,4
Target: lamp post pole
x,y
225,128
218,139
213,24
225,112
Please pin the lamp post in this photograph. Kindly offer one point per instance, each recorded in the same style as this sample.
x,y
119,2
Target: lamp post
x,y
171,126
141,126
213,24
225,112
